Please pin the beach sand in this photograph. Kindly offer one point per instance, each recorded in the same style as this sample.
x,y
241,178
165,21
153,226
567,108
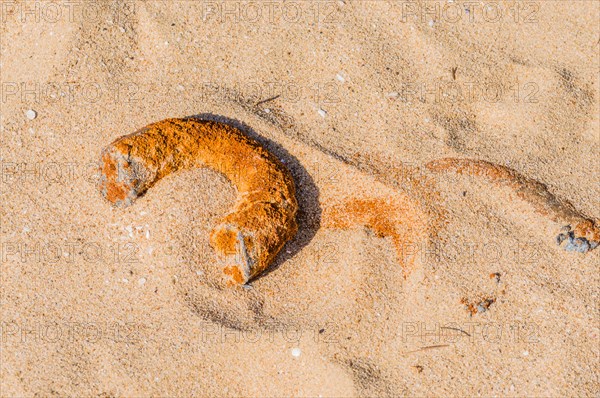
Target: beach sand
x,y
400,282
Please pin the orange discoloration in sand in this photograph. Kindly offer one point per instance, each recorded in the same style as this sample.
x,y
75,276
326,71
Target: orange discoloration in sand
x,y
533,192
394,218
372,213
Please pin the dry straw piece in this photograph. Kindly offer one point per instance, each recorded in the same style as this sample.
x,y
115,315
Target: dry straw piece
x,y
263,218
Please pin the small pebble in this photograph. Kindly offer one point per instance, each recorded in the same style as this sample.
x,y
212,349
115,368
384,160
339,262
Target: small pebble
x,y
340,78
296,352
581,245
31,114
322,113
141,281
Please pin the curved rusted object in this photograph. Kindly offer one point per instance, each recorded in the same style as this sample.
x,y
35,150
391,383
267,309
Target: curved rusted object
x,y
263,218
580,233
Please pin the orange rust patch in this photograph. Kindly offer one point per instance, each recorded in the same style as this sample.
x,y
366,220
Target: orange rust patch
x,y
479,168
226,241
109,168
234,272
249,244
114,191
588,230
381,216
372,213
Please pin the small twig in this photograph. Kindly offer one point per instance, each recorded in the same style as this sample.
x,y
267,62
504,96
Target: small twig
x,y
267,100
457,329
454,72
429,348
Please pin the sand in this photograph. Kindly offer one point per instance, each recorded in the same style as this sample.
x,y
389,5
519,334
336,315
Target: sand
x,y
400,282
